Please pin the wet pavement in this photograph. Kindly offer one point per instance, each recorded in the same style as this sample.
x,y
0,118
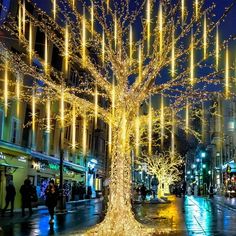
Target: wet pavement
x,y
183,216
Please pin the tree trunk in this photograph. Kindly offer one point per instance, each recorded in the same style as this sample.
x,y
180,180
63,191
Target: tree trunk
x,y
120,219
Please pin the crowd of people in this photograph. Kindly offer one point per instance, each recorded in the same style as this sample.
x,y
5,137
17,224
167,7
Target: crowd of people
x,y
29,196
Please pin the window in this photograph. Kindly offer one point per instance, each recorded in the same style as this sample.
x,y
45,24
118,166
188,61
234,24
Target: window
x,y
15,131
67,134
56,58
1,124
39,44
74,77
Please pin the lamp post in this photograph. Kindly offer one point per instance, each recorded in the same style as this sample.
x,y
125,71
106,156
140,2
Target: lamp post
x,y
62,204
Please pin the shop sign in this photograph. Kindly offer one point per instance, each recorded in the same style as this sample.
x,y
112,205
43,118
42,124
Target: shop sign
x,y
22,159
2,157
53,166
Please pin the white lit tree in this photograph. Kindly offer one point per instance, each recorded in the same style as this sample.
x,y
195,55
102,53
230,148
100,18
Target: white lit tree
x,y
166,166
129,51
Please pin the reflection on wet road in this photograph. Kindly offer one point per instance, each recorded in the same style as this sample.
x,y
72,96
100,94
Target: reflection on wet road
x,y
183,216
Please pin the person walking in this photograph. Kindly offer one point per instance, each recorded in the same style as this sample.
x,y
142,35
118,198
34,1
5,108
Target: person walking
x,y
26,191
143,192
10,197
51,199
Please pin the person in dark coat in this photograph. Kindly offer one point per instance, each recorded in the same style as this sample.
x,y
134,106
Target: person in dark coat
x,y
26,191
10,197
143,192
51,199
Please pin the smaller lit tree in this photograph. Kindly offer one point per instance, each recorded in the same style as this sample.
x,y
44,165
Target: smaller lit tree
x,y
166,166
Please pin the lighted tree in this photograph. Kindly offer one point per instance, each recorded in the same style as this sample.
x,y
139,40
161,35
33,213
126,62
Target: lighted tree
x,y
129,52
166,166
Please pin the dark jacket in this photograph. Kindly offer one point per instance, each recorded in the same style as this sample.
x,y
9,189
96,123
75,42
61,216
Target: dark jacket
x,y
26,191
51,196
11,192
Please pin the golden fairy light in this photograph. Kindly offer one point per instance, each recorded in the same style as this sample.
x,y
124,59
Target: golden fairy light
x,y
130,45
108,4
96,106
30,43
173,54
113,96
173,134
92,18
23,16
54,9
162,120
6,88
205,36
103,46
192,60
140,63
196,8
137,133
18,90
19,22
73,128
46,54
182,9
124,121
160,28
187,117
73,4
227,72
148,25
48,109
150,127
217,48
33,116
62,108
203,122
84,135
84,38
109,138
66,49
115,31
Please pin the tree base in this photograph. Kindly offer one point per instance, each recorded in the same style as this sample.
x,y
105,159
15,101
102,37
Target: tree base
x,y
121,224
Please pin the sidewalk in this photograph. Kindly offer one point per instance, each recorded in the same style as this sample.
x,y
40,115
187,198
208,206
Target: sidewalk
x,y
69,206
225,201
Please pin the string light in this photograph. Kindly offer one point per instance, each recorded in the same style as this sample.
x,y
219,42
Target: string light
x,y
227,72
73,128
115,31
137,135
173,54
19,22
103,46
148,25
192,60
187,117
130,45
92,18
48,115
30,43
33,116
182,9
150,127
46,54
161,27
66,49
23,16
96,106
196,8
217,48
84,39
140,63
162,120
6,88
18,91
205,36
54,9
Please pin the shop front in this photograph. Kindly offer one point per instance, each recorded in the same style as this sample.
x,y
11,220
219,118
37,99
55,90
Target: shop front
x,y
229,178
13,167
44,168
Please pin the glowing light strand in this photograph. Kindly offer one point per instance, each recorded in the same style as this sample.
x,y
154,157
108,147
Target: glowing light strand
x,y
150,127
227,72
205,36
148,25
192,60
73,128
217,48
6,88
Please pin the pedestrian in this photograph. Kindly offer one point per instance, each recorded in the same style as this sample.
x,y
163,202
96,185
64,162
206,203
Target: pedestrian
x,y
154,183
184,188
51,199
26,191
211,192
10,197
143,192
89,192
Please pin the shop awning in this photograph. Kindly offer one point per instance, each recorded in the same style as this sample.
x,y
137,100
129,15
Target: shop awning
x,y
54,160
10,166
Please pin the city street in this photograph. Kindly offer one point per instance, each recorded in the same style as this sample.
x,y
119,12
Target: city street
x,y
189,216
